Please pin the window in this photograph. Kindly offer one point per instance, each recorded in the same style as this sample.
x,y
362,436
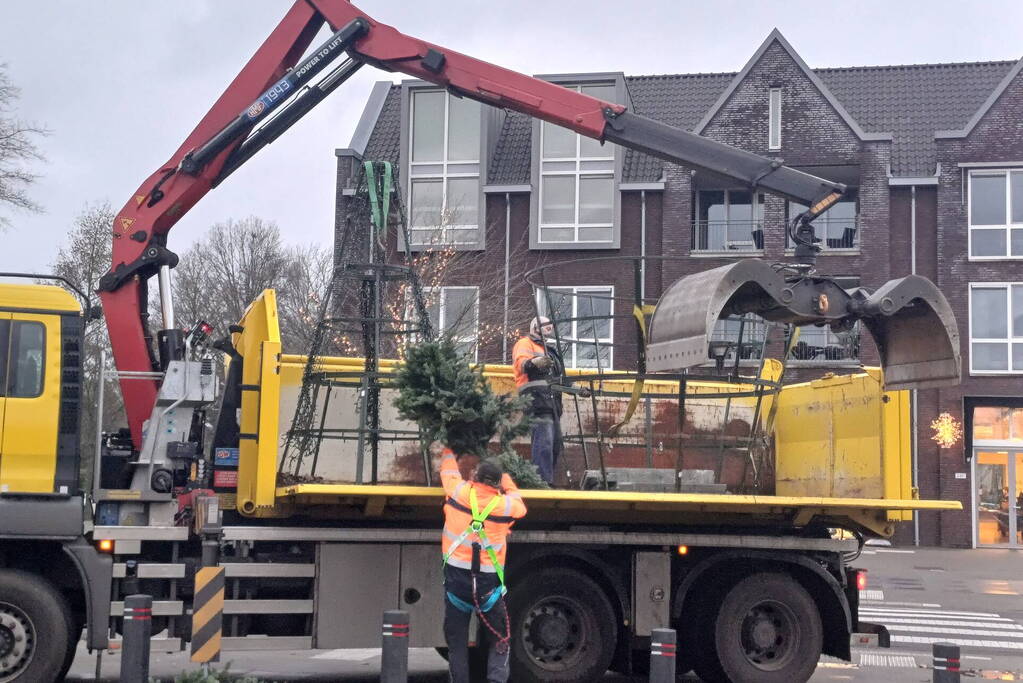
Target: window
x,y
724,339
728,220
996,328
822,344
774,119
25,354
585,323
454,313
997,423
996,214
836,227
444,169
576,182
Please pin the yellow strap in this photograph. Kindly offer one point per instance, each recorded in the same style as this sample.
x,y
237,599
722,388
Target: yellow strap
x,y
640,312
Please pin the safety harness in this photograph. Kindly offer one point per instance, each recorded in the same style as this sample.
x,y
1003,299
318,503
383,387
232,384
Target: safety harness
x,y
476,528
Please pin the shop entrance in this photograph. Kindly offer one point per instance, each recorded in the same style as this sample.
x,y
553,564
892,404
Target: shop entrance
x,y
998,479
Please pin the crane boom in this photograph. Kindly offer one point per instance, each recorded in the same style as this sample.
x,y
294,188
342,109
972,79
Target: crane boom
x,y
274,80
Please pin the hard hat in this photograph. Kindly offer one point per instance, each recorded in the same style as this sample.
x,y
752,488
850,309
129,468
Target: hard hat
x,y
536,323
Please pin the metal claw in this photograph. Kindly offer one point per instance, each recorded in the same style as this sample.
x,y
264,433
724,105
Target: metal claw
x,y
910,320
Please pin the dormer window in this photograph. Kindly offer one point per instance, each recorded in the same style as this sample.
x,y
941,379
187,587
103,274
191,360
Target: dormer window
x,y
575,177
444,169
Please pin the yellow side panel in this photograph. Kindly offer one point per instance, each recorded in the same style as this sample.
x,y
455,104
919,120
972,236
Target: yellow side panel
x,y
28,450
842,437
4,320
897,453
260,345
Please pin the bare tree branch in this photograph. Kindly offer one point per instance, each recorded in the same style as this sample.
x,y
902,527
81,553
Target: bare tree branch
x,y
17,150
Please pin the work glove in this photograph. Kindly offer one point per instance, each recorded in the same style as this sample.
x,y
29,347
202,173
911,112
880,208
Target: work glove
x,y
542,363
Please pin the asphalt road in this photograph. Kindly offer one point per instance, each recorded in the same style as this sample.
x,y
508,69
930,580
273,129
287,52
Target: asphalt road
x,y
972,597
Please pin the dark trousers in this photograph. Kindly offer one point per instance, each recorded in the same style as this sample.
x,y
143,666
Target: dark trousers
x,y
546,445
456,625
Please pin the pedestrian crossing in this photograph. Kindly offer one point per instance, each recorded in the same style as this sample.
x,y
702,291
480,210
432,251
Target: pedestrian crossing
x,y
926,623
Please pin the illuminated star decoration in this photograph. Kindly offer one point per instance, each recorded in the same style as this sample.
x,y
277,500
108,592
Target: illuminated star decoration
x,y
947,430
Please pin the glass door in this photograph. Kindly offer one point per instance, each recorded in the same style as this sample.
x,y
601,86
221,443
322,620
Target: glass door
x,y
999,497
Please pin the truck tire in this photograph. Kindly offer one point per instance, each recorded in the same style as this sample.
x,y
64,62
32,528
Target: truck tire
x,y
563,628
34,628
768,630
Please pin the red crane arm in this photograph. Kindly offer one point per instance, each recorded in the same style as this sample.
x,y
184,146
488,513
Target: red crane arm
x,y
217,146
140,230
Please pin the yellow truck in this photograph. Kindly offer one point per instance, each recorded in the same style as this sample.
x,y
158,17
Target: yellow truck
x,y
753,583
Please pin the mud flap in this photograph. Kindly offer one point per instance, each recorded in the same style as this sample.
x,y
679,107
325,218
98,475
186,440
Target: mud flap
x,y
909,318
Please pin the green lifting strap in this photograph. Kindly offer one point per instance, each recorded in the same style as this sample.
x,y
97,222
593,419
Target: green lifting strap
x,y
379,213
476,527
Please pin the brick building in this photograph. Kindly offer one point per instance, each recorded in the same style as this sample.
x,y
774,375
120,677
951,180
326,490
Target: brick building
x,y
933,155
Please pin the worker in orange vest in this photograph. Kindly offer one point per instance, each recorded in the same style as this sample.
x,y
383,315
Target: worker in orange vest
x,y
478,516
537,366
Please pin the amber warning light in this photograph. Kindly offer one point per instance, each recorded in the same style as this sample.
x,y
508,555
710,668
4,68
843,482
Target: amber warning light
x,y
683,549
106,545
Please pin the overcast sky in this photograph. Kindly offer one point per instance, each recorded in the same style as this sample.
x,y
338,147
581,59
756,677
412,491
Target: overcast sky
x,y
121,82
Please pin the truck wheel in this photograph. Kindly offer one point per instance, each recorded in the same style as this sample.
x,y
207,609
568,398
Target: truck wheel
x,y
563,628
34,635
768,630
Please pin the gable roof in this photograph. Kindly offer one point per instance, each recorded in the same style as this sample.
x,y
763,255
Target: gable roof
x,y
776,37
908,102
988,103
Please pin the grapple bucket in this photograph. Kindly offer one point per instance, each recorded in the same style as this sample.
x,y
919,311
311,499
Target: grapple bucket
x,y
909,318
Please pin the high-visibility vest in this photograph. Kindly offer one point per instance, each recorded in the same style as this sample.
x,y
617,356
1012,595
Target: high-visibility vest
x,y
526,349
477,513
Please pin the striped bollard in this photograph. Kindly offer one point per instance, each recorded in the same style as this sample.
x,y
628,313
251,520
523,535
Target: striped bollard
x,y
394,658
946,663
662,655
138,624
207,614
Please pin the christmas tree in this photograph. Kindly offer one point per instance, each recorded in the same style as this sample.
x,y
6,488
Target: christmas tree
x,y
453,404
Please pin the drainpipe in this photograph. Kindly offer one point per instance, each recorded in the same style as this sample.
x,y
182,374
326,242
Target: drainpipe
x,y
914,454
642,246
507,258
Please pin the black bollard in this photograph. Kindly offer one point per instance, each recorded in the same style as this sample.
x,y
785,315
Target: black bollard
x,y
394,658
138,627
662,655
946,662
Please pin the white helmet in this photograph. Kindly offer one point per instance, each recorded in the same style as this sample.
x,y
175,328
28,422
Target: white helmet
x,y
541,322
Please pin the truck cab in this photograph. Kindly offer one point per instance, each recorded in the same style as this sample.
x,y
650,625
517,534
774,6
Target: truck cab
x,y
40,389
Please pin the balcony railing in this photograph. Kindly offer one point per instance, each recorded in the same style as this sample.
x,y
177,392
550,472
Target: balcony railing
x,y
728,236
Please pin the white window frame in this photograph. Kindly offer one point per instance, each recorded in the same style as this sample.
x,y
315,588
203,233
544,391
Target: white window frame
x,y
442,309
1007,228
442,233
571,342
1009,340
577,173
732,247
774,119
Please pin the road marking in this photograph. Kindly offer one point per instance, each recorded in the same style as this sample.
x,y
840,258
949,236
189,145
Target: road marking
x,y
901,552
944,622
980,616
962,642
353,655
872,595
890,661
895,603
991,633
